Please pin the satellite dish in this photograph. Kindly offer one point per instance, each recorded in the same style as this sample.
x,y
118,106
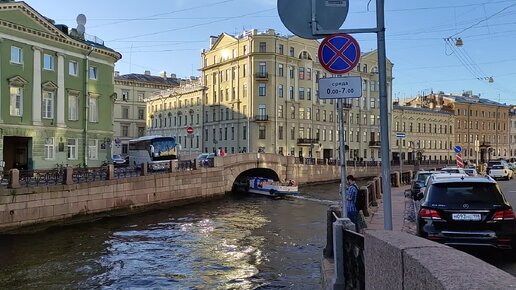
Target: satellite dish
x,y
81,19
296,15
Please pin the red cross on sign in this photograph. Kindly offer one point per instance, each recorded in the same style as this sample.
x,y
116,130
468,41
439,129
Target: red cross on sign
x,y
339,53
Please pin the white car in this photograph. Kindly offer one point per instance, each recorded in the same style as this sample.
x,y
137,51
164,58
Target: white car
x,y
501,171
453,170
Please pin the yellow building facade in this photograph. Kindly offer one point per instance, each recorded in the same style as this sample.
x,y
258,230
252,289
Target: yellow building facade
x,y
262,93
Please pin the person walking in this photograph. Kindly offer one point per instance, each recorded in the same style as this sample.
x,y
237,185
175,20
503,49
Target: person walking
x,y
355,203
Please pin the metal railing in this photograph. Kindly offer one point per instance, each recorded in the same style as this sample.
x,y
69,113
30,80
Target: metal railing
x,y
83,175
207,163
406,178
127,171
186,165
354,261
41,177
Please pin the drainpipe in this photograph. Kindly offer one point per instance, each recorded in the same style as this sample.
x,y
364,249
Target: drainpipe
x,y
249,97
86,105
275,98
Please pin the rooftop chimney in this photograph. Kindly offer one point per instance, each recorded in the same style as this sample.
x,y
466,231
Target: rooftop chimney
x,y
147,73
163,74
213,39
117,73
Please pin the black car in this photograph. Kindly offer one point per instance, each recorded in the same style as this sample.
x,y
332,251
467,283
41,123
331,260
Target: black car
x,y
466,210
419,181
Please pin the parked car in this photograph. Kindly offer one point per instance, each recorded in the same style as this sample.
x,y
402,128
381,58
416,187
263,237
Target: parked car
x,y
419,181
453,170
467,211
204,158
501,171
471,171
119,160
492,163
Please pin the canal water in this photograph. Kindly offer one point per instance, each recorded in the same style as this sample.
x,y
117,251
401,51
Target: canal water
x,y
239,242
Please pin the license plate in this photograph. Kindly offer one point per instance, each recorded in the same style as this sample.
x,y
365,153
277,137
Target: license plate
x,y
466,217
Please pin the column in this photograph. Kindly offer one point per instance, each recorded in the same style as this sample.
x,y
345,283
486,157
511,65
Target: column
x,y
36,87
60,91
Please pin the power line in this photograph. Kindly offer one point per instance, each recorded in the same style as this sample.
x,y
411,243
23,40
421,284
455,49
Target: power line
x,y
484,20
192,26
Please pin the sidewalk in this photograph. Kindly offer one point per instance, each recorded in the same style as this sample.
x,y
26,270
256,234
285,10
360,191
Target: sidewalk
x,y
401,210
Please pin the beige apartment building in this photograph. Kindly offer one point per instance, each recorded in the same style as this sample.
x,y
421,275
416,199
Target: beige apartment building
x,y
477,120
512,133
262,93
171,112
130,112
429,134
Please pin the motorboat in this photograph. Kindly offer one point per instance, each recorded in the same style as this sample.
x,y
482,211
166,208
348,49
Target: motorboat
x,y
270,187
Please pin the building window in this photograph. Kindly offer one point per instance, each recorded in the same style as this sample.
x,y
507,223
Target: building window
x,y
292,51
280,132
301,73
48,105
280,70
93,73
48,62
308,73
49,148
125,112
261,132
72,149
263,47
141,96
280,91
301,93
73,105
373,103
93,110
291,72
280,48
280,111
16,55
292,133
93,149
244,133
125,148
292,112
125,95
16,106
309,94
291,93
262,90
141,131
73,68
125,131
141,113
309,113
301,113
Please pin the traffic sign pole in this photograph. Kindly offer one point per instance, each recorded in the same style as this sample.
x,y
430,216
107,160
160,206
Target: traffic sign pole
x,y
342,158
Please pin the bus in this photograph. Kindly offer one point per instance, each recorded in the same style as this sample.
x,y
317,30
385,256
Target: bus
x,y
157,151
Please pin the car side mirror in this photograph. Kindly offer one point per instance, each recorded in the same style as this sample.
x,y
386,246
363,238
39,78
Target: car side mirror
x,y
420,194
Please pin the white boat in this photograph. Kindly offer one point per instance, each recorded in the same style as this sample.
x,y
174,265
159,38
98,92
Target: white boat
x,y
269,187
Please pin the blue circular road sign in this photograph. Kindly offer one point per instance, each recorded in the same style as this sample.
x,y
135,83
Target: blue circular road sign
x,y
457,149
339,53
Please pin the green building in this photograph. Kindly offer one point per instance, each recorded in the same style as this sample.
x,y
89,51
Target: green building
x,y
57,92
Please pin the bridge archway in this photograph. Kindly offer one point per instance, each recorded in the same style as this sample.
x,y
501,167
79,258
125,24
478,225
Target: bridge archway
x,y
241,179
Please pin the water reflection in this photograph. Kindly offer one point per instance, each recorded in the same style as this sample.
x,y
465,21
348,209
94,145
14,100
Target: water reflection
x,y
236,243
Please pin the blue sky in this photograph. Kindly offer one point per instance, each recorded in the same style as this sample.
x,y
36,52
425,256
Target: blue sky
x,y
169,35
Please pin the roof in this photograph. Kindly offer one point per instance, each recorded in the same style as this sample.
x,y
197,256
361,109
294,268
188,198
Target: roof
x,y
148,79
456,177
417,109
469,100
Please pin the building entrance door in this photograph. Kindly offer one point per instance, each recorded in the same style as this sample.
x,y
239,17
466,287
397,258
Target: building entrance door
x,y
16,152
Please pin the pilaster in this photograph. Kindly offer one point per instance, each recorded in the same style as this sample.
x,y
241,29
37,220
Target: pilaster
x,y
36,87
60,91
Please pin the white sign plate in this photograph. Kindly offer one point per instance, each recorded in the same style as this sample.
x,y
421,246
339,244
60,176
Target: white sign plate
x,y
340,88
335,3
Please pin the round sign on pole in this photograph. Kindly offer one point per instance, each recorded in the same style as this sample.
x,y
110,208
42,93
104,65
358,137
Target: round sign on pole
x,y
457,149
296,15
189,130
339,53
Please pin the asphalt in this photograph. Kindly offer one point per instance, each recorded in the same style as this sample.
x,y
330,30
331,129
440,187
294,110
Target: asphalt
x,y
400,207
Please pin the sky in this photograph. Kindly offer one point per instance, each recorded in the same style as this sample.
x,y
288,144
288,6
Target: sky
x,y
168,35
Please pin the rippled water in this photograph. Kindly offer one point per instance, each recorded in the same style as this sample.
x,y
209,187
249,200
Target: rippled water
x,y
243,242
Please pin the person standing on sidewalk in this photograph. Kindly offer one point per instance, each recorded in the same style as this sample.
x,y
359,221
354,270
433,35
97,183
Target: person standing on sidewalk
x,y
351,198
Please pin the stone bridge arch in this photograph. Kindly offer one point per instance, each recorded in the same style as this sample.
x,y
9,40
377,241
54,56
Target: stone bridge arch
x,y
237,166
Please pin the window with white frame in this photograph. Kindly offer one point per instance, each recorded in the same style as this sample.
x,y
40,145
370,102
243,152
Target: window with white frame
x,y
93,73
280,91
16,55
49,148
93,149
48,62
16,105
47,105
72,149
262,90
73,106
94,110
73,68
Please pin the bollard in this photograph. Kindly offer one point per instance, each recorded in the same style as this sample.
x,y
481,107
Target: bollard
x,y
144,169
365,191
339,226
171,166
330,219
397,179
110,172
14,178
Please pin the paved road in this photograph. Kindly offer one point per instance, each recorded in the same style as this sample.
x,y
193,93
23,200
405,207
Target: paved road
x,y
505,260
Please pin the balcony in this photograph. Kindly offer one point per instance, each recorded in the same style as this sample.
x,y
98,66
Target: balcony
x,y
261,76
261,118
374,144
307,141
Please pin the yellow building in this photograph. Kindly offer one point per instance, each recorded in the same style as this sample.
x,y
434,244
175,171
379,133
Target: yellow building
x,y
171,112
429,134
262,97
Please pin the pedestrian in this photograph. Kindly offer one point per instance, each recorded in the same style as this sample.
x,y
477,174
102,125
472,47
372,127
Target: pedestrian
x,y
222,153
355,204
